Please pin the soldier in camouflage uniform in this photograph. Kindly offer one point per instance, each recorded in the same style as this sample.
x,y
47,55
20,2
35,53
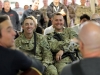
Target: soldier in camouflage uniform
x,y
44,12
33,44
72,9
97,9
59,42
82,9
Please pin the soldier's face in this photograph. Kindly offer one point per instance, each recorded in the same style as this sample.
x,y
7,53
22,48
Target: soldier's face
x,y
82,1
7,5
58,22
8,34
28,26
35,4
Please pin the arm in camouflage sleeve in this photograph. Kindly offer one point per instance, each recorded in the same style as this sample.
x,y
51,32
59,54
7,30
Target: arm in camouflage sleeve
x,y
47,57
72,34
55,45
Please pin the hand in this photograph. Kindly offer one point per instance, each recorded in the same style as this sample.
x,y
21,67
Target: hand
x,y
75,40
20,13
59,55
62,12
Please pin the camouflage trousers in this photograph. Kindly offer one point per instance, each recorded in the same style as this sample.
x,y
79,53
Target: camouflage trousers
x,y
57,67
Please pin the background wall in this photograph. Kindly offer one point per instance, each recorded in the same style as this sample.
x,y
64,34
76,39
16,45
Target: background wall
x,y
29,2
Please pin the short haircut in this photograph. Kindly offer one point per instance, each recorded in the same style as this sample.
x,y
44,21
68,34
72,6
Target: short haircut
x,y
6,1
2,19
56,14
34,0
84,16
32,18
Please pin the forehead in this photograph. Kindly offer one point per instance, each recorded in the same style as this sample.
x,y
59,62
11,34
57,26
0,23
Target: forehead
x,y
6,2
36,1
16,3
83,0
45,0
58,17
6,24
28,20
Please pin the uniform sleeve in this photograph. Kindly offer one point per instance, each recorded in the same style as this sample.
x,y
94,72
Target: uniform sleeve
x,y
54,44
47,55
17,43
72,33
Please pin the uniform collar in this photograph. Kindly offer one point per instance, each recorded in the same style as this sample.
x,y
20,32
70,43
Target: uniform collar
x,y
24,40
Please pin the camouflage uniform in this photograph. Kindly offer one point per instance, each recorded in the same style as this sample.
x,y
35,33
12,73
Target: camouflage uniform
x,y
46,19
97,10
72,10
42,52
80,11
56,46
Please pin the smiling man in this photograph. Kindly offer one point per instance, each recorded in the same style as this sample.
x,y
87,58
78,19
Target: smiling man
x,y
59,41
34,44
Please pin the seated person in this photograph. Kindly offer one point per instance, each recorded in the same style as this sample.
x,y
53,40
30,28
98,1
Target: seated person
x,y
34,44
83,18
61,42
89,41
11,61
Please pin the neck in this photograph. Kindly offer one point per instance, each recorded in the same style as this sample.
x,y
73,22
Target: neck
x,y
56,3
17,7
59,30
73,3
45,5
82,4
6,10
91,54
28,36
